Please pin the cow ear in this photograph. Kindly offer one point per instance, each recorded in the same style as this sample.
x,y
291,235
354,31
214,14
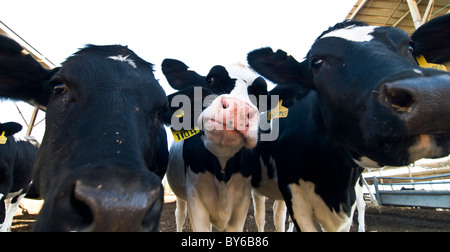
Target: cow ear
x,y
179,75
10,128
432,40
219,80
186,105
21,76
278,67
259,90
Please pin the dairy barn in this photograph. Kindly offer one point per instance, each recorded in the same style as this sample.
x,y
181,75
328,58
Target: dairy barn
x,y
399,199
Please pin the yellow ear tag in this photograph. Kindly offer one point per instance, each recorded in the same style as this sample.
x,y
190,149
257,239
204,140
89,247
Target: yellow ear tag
x,y
423,63
278,112
3,139
179,113
179,135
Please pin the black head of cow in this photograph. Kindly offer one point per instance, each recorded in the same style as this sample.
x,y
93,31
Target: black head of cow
x,y
104,114
374,98
226,108
10,128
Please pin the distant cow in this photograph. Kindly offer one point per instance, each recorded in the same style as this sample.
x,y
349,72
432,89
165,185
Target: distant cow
x,y
104,152
205,171
16,167
358,99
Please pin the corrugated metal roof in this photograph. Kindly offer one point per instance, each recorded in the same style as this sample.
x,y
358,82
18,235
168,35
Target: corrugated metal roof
x,y
396,12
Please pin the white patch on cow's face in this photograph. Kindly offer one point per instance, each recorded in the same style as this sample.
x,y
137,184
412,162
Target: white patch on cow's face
x,y
244,76
227,126
353,33
124,59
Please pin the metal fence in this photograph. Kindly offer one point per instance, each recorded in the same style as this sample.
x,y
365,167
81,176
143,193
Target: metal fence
x,y
431,191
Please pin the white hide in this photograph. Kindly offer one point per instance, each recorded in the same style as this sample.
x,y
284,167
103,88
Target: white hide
x,y
232,142
308,207
353,33
207,200
122,58
10,209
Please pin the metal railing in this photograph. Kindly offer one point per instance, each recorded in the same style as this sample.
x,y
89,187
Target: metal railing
x,y
431,191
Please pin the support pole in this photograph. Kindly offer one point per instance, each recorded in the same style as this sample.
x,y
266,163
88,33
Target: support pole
x,y
427,12
33,120
415,14
404,16
360,6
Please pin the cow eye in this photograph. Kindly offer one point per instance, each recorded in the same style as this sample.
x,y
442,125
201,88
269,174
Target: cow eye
x,y
59,89
411,47
210,80
316,63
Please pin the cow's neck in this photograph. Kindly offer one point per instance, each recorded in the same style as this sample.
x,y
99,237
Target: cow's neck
x,y
223,153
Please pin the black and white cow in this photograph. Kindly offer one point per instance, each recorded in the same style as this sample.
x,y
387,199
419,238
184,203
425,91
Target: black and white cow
x,y
358,99
104,152
16,167
205,171
265,185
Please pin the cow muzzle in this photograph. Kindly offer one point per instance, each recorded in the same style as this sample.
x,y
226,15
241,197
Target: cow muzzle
x,y
111,208
423,104
114,200
231,120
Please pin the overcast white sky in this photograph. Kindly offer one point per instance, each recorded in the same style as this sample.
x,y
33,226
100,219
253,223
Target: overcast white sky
x,y
201,33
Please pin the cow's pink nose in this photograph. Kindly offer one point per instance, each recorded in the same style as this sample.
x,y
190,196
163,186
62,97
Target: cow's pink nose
x,y
238,115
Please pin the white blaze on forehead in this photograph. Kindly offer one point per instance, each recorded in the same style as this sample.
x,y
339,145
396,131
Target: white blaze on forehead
x,y
244,78
230,142
353,33
124,59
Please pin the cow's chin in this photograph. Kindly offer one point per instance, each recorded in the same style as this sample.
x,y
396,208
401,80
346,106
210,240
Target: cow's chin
x,y
226,138
229,138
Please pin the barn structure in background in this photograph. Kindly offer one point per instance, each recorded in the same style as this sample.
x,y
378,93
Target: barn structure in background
x,y
404,14
407,15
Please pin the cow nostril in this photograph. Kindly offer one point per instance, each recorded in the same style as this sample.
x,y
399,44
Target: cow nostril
x,y
154,213
252,113
225,104
82,209
399,99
